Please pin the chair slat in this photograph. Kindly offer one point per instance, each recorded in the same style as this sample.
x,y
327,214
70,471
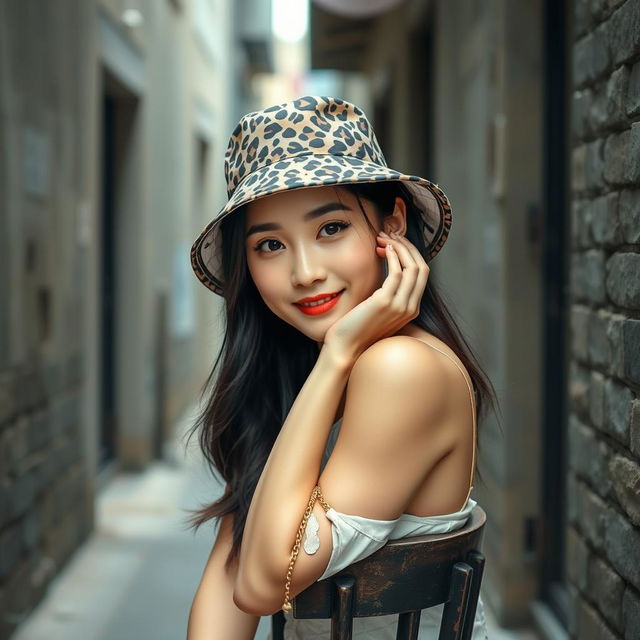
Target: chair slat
x,y
342,620
476,561
455,608
408,625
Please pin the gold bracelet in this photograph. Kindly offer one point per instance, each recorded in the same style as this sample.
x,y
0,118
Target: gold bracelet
x,y
315,494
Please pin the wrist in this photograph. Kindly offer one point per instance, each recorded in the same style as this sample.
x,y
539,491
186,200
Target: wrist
x,y
337,360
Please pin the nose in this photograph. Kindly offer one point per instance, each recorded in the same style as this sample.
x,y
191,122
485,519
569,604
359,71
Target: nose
x,y
306,268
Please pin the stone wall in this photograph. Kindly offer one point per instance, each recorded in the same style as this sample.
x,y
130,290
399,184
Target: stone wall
x,y
603,531
44,515
46,508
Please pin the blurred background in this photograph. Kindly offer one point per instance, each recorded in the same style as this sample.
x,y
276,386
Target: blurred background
x,y
114,119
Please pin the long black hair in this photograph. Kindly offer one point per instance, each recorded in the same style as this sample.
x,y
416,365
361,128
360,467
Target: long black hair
x,y
263,363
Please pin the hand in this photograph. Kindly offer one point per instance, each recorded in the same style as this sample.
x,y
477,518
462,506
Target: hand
x,y
389,308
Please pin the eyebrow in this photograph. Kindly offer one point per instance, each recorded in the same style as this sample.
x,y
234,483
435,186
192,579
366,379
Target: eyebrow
x,y
314,213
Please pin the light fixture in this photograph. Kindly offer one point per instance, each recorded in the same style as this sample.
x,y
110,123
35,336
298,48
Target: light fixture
x,y
132,18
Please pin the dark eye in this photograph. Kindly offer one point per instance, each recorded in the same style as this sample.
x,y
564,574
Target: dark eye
x,y
271,247
335,227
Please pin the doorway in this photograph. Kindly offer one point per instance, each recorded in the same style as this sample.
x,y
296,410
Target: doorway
x,y
119,108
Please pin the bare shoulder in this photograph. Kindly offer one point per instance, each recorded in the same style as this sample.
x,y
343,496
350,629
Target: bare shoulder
x,y
404,368
401,354
395,429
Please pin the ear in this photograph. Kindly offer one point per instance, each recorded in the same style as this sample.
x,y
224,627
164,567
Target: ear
x,y
396,221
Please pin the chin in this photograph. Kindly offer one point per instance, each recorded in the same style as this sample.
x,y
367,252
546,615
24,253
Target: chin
x,y
314,329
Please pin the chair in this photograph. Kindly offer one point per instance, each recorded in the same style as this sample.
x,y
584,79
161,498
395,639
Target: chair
x,y
402,577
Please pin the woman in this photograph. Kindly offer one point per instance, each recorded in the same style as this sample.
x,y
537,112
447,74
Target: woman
x,y
341,369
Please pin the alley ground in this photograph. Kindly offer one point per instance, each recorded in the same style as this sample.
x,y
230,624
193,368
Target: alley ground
x,y
135,577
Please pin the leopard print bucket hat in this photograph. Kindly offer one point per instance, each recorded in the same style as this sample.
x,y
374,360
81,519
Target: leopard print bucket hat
x,y
308,142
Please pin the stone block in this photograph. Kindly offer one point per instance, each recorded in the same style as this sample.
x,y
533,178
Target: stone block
x,y
578,162
598,343
617,89
579,381
581,16
623,279
588,276
632,159
580,320
622,542
631,347
633,91
597,9
577,559
596,399
572,608
590,624
581,58
606,589
629,214
625,477
616,351
605,222
594,512
624,32
599,56
581,211
581,444
580,113
617,400
634,429
609,104
631,613
594,166
616,148
574,499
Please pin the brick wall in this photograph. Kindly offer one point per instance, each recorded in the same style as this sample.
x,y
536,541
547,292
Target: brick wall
x,y
603,530
42,519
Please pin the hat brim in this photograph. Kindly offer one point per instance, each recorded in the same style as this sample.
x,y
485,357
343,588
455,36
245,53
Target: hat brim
x,y
317,170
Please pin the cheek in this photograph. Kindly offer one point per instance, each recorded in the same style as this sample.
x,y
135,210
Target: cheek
x,y
267,279
360,264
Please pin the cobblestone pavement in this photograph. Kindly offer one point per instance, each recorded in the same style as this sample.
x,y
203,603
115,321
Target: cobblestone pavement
x,y
135,578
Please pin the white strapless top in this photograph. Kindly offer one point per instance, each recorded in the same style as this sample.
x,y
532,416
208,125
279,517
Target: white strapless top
x,y
355,538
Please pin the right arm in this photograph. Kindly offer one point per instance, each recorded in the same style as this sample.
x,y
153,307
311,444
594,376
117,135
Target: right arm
x,y
214,615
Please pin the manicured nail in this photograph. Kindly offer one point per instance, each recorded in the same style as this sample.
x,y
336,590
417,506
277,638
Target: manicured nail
x,y
382,233
394,234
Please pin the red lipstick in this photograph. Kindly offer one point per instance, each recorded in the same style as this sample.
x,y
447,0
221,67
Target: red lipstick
x,y
330,301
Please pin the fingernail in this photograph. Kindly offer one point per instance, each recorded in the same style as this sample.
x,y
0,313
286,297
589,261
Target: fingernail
x,y
394,234
382,233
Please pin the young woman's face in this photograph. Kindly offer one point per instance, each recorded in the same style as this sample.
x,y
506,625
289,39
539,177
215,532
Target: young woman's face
x,y
312,241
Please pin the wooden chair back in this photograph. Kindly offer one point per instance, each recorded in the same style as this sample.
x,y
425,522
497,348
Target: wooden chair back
x,y
403,577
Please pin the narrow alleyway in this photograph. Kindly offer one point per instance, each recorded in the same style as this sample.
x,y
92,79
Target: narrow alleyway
x,y
136,576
